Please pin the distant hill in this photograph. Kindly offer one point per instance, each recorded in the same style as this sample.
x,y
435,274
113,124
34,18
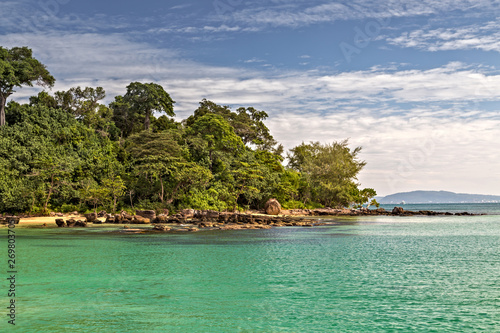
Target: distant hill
x,y
437,197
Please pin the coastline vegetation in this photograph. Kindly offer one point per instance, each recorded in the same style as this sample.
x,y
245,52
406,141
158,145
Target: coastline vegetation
x,y
69,151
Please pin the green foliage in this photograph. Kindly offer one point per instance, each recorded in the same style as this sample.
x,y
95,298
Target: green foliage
x,y
68,208
330,171
18,68
70,152
145,98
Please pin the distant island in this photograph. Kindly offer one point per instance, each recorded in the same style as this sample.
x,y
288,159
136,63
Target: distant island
x,y
436,197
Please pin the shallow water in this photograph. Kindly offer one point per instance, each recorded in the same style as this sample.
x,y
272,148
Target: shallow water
x,y
370,274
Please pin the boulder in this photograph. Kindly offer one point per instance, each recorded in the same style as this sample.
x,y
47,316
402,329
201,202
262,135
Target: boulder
x,y
148,214
90,217
110,219
140,220
398,210
102,213
12,219
71,223
160,227
272,207
80,223
188,213
162,218
125,217
60,223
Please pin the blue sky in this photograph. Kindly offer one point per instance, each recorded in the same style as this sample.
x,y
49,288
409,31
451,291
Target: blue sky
x,y
415,83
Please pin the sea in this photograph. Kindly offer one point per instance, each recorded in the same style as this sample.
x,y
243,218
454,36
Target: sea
x,y
355,274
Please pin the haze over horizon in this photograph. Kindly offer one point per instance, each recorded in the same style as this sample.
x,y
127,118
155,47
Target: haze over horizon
x,y
413,82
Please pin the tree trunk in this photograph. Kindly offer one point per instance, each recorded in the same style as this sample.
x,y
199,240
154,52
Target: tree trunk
x,y
162,190
174,192
48,196
2,110
147,121
130,196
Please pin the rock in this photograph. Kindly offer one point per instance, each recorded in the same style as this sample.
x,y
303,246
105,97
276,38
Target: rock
x,y
59,214
187,213
140,220
74,213
126,217
102,213
80,223
162,218
70,223
110,219
160,227
90,217
148,214
52,214
60,223
12,220
398,210
272,207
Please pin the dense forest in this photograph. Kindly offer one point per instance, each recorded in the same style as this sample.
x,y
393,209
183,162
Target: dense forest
x,y
69,151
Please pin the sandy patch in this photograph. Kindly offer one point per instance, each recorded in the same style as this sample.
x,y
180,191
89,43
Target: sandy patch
x,y
51,220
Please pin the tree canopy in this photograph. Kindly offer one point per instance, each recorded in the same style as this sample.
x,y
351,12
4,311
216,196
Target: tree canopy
x,y
69,151
18,68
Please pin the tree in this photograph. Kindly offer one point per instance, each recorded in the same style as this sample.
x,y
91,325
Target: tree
x,y
161,160
248,123
54,174
246,177
218,134
331,171
114,187
145,98
18,68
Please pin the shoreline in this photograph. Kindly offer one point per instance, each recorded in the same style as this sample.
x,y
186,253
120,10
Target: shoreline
x,y
190,220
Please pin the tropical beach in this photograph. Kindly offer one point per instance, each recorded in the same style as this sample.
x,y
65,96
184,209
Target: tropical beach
x,y
249,166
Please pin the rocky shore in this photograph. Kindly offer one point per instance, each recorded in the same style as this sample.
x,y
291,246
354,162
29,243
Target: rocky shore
x,y
190,220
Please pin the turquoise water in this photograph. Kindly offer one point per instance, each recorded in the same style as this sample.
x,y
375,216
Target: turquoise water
x,y
377,274
477,208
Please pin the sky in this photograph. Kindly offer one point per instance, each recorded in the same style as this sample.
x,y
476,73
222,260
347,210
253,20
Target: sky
x,y
415,83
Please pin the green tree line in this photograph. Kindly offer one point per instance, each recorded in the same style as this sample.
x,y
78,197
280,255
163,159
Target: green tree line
x,y
69,151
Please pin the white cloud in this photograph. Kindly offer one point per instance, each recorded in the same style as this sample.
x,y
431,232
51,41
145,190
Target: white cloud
x,y
484,37
300,13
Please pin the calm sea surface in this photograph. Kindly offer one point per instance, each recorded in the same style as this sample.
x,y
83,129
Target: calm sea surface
x,y
375,274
